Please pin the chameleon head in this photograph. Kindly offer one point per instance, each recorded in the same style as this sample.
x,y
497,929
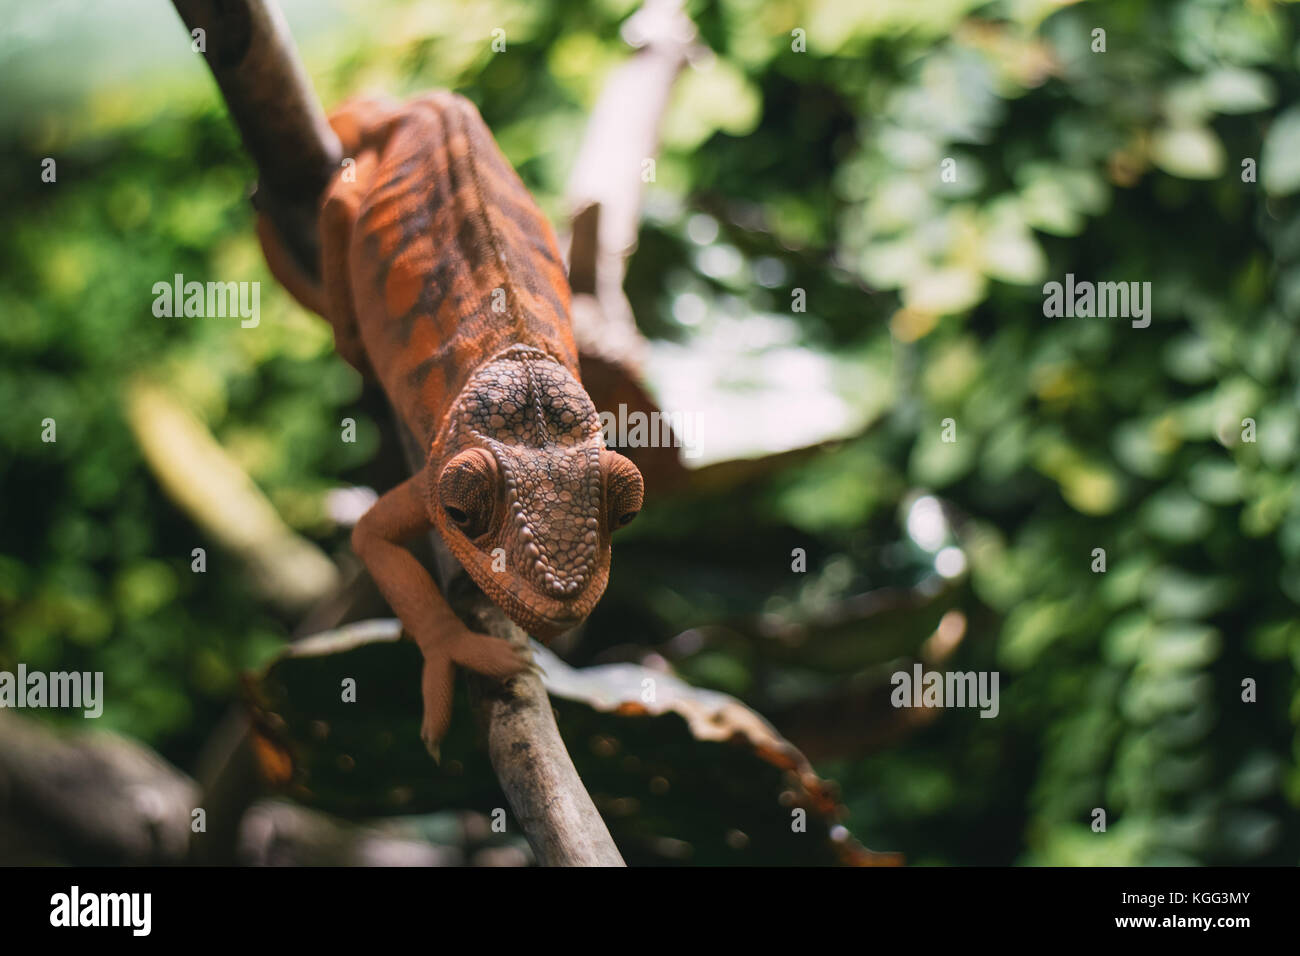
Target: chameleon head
x,y
525,493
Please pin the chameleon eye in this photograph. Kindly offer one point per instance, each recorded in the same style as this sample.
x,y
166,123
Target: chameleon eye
x,y
624,488
466,491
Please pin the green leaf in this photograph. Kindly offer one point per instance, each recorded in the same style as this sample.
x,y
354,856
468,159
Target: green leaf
x,y
1280,158
1192,152
1236,90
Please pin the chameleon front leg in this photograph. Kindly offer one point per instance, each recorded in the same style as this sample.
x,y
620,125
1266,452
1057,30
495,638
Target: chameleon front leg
x,y
441,636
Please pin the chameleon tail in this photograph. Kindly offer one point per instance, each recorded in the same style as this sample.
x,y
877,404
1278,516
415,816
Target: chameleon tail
x,y
285,267
361,124
436,688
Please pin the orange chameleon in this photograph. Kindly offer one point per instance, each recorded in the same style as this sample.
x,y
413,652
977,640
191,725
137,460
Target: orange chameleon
x,y
441,278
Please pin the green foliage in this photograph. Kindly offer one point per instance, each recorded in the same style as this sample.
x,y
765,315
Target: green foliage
x,y
1123,689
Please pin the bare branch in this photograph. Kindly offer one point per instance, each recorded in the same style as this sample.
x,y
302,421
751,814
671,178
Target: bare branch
x,y
99,799
536,772
605,186
270,98
279,833
93,798
216,493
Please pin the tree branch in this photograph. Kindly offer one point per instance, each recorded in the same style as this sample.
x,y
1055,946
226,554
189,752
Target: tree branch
x,y
95,798
250,51
604,192
558,817
203,480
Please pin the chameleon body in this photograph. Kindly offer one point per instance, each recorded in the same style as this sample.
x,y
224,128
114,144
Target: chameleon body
x,y
442,279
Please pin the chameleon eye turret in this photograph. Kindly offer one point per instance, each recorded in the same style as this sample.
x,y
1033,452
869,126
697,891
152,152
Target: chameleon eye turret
x,y
467,491
624,489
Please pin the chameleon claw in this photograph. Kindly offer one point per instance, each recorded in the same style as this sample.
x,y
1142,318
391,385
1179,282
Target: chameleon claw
x,y
526,666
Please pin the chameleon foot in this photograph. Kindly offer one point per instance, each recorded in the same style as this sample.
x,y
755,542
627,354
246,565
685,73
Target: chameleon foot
x,y
490,656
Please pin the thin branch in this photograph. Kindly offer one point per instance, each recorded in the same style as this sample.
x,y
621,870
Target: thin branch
x,y
270,98
604,191
92,798
211,488
279,833
95,798
536,772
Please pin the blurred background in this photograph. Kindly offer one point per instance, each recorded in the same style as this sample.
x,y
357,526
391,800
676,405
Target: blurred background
x,y
823,300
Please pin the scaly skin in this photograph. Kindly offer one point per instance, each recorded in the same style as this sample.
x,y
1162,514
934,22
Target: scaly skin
x,y
441,278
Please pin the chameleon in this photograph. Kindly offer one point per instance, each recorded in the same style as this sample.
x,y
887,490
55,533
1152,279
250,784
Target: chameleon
x,y
441,278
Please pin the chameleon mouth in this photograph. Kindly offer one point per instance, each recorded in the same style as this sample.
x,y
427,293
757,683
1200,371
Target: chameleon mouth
x,y
541,615
562,623
547,617
543,625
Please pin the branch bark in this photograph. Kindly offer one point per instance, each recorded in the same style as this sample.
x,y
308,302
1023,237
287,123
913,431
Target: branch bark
x,y
95,798
604,192
197,474
250,51
536,772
